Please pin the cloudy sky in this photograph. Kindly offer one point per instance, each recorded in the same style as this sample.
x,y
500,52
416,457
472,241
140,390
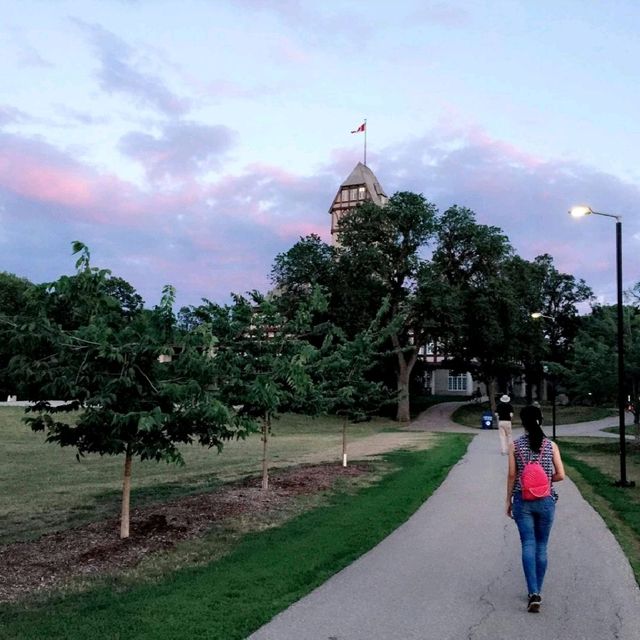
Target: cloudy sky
x,y
190,142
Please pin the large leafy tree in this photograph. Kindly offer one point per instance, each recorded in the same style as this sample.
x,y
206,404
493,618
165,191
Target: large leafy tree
x,y
380,256
309,263
471,258
591,368
85,340
538,286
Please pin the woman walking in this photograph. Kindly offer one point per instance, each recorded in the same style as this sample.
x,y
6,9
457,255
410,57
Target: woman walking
x,y
533,514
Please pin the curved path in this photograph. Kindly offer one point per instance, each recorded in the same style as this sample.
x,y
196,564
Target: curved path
x,y
452,571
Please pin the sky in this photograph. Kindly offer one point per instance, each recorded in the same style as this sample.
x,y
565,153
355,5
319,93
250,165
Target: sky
x,y
188,143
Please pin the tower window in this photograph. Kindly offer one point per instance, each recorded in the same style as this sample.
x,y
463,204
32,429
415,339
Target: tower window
x,y
360,193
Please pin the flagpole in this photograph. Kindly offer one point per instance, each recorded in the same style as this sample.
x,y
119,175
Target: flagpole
x,y
365,142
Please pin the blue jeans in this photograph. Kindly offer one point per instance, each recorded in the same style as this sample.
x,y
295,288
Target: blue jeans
x,y
534,519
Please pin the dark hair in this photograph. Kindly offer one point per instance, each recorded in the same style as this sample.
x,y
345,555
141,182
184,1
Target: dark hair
x,y
530,417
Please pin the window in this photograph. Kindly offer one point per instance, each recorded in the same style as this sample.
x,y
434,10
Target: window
x,y
345,195
360,193
457,383
354,194
429,349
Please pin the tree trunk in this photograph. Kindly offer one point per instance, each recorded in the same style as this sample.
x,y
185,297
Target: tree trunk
x,y
491,390
344,442
126,495
404,407
265,461
405,367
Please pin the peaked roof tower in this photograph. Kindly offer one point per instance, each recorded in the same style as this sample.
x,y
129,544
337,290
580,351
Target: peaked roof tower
x,y
361,186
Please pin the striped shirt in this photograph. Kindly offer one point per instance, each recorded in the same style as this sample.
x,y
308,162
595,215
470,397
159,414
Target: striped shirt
x,y
524,454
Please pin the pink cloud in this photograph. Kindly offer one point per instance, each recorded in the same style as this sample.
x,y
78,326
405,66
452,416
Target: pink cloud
x,y
36,171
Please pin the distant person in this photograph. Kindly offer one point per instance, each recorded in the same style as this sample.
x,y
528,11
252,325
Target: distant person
x,y
533,516
504,410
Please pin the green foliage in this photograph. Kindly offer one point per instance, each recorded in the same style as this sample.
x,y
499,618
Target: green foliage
x,y
342,375
380,254
263,359
13,296
270,570
495,292
85,340
309,263
471,258
591,370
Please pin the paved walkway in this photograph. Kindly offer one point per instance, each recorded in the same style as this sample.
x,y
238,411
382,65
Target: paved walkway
x,y
453,572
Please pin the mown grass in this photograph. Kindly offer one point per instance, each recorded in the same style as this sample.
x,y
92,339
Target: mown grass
x,y
44,487
593,464
470,414
266,572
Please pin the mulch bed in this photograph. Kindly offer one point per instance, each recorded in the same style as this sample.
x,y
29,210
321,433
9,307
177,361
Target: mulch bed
x,y
96,548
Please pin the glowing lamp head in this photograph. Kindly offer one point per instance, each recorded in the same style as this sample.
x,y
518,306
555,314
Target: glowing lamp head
x,y
580,211
536,315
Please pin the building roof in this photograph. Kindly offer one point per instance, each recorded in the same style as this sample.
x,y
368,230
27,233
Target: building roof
x,y
361,174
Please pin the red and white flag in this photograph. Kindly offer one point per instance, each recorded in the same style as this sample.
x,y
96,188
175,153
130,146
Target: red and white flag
x,y
361,128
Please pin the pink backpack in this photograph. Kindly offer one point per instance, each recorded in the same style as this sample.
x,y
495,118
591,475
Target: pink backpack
x,y
534,481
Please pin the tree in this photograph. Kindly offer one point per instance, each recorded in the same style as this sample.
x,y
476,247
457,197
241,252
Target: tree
x,y
471,258
13,295
264,359
342,379
309,263
80,343
538,286
591,369
379,258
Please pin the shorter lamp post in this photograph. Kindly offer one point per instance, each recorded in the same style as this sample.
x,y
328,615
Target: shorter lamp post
x,y
545,368
553,400
579,212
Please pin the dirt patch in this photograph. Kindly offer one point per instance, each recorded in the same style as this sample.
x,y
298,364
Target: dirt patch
x,y
96,549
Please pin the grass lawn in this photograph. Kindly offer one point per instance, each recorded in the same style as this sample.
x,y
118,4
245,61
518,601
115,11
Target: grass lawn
x,y
594,465
470,414
44,487
630,429
267,571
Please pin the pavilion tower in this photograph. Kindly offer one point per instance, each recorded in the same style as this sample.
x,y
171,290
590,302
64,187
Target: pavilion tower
x,y
361,186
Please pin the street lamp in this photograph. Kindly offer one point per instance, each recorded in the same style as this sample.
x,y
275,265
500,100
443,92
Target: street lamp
x,y
550,375
535,315
579,212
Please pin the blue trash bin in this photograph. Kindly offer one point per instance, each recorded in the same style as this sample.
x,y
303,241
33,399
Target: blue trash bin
x,y
486,421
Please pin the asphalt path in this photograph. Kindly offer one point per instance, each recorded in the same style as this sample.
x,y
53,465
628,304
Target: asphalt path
x,y
453,570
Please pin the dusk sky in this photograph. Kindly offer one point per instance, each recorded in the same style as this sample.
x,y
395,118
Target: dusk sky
x,y
190,142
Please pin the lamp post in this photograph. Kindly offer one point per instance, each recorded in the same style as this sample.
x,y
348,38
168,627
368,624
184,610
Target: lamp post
x,y
535,315
579,212
553,401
